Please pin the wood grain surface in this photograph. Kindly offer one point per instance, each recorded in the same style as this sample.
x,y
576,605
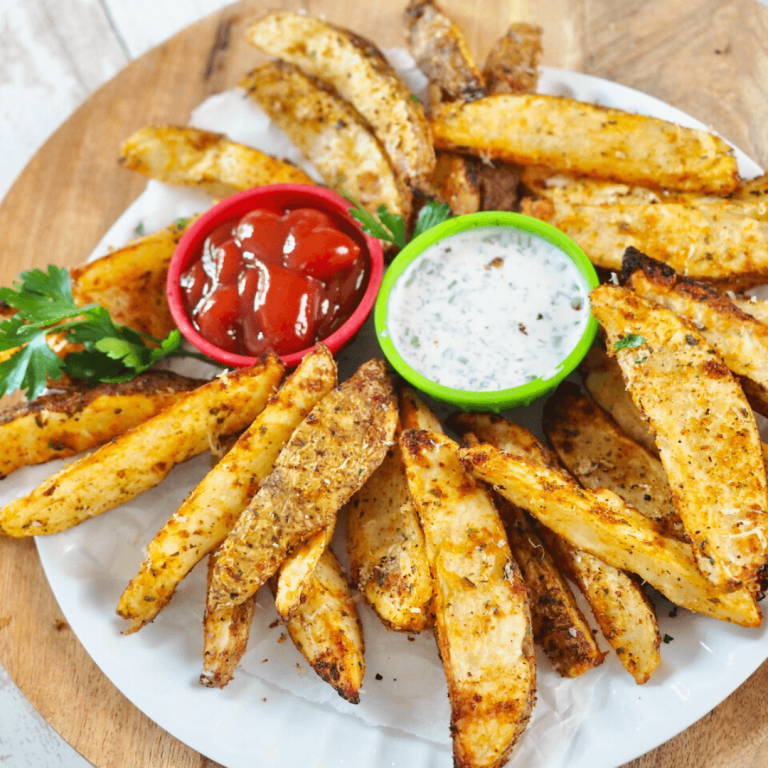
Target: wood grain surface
x,y
707,57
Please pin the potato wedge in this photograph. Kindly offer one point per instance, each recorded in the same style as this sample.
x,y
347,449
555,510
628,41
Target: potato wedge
x,y
331,134
601,523
327,631
208,514
415,413
205,159
226,634
295,574
384,537
571,136
715,243
359,74
705,430
605,383
740,339
619,603
512,64
386,548
142,457
130,282
755,189
442,54
631,628
559,626
598,454
329,456
61,425
483,620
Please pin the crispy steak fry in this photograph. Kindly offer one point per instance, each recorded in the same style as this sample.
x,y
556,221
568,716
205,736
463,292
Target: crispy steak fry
x,y
131,282
571,136
331,134
740,339
202,158
601,523
211,510
483,620
56,426
718,243
327,631
142,457
456,182
705,430
330,455
599,455
512,64
442,54
360,75
415,413
619,603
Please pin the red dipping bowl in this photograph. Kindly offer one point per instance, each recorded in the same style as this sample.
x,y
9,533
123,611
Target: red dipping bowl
x,y
278,198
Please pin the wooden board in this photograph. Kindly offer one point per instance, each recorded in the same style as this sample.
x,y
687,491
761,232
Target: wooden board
x,y
705,56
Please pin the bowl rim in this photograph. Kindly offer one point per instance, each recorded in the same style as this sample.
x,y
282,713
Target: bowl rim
x,y
502,399
240,203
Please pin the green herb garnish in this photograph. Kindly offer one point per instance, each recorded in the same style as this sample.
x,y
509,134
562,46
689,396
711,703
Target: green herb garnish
x,y
181,223
414,97
668,638
390,227
630,341
140,228
111,352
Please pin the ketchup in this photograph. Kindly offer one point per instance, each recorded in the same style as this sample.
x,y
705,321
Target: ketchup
x,y
272,281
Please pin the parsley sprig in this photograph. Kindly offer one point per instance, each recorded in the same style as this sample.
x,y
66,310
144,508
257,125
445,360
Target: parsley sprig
x,y
390,227
630,341
111,352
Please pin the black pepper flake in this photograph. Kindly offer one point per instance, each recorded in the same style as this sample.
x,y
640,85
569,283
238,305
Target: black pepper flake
x,y
378,676
692,340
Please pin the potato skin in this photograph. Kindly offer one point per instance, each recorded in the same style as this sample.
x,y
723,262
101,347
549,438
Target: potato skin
x,y
61,425
142,457
358,72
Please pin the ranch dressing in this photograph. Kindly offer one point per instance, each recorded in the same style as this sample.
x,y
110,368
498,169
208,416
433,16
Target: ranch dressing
x,y
487,309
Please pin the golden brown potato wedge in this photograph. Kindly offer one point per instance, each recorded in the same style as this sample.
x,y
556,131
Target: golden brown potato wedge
x,y
226,634
512,64
582,138
755,189
329,456
205,159
601,523
483,620
327,631
705,430
618,601
386,548
131,282
331,134
559,626
632,629
599,455
142,457
717,242
605,383
60,425
358,72
442,54
211,510
740,339
295,574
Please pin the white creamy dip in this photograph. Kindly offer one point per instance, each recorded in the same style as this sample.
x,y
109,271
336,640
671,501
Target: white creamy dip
x,y
487,309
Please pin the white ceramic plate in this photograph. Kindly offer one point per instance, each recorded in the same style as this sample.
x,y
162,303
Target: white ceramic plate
x,y
277,712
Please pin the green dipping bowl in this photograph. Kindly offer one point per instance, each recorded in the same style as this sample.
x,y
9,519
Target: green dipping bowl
x,y
503,399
